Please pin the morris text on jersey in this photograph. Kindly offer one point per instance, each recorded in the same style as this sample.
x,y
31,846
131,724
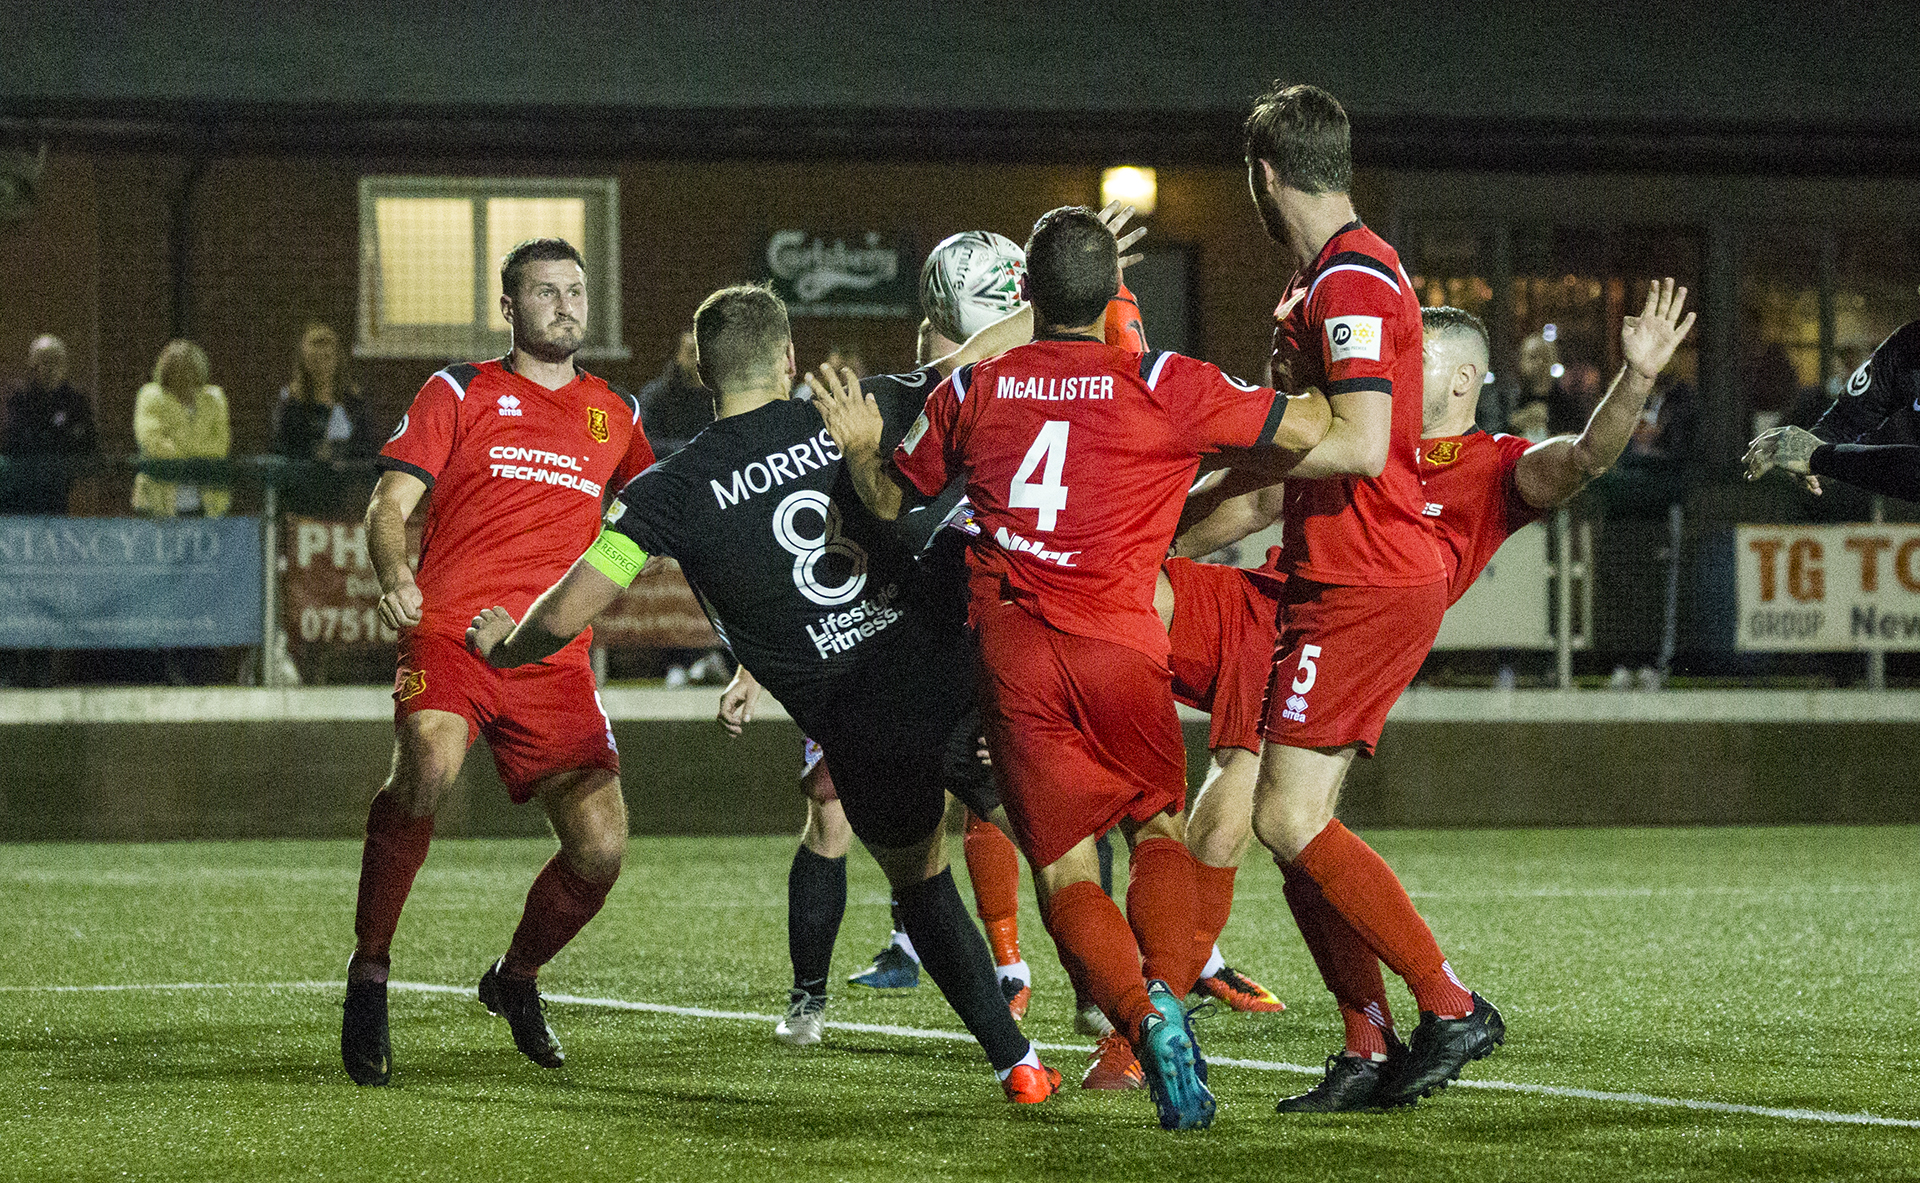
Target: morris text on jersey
x,y
776,470
1056,390
541,467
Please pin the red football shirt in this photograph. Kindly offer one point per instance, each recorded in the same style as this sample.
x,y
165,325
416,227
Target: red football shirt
x,y
1351,322
1078,458
1472,500
519,475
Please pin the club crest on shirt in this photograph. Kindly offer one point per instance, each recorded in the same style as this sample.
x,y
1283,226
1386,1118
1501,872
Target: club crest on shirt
x,y
413,684
597,425
1443,452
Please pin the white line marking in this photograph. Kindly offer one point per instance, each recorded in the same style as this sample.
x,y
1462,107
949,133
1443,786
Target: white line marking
x,y
1820,1116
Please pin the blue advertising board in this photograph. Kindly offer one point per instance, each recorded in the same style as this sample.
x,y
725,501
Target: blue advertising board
x,y
128,583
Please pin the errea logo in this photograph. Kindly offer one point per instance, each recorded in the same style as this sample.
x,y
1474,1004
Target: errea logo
x,y
509,406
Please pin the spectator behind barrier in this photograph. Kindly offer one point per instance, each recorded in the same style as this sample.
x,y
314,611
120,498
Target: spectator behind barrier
x,y
1545,406
321,415
180,416
46,417
675,407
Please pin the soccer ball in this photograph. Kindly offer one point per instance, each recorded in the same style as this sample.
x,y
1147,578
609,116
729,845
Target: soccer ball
x,y
970,281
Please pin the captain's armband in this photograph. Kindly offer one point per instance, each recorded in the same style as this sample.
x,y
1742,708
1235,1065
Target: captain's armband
x,y
616,556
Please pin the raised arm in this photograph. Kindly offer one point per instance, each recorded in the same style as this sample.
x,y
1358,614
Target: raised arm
x,y
1015,328
854,421
393,502
1552,471
1891,469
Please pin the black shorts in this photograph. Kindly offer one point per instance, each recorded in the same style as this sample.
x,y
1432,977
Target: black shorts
x,y
901,732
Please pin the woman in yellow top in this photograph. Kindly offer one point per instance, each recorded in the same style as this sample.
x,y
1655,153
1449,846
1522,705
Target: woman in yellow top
x,y
179,416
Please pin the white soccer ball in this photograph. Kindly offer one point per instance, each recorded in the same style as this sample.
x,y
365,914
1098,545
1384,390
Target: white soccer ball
x,y
970,281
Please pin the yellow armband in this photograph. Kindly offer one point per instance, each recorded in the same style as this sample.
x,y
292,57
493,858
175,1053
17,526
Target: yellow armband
x,y
616,556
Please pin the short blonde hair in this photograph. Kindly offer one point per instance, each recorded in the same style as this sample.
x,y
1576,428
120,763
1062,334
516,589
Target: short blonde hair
x,y
182,350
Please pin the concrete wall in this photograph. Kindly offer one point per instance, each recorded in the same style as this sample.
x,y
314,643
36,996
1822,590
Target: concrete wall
x,y
160,780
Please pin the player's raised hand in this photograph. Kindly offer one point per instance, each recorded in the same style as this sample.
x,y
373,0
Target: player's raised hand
x,y
400,608
488,630
737,702
1789,448
1648,340
852,417
1114,218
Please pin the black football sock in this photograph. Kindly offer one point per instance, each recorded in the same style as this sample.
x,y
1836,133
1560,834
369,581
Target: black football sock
x,y
955,955
816,900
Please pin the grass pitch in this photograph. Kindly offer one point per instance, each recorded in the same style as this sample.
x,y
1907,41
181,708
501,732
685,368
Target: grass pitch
x,y
1774,969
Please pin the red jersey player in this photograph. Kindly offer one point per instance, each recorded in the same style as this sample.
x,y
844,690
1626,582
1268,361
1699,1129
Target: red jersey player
x,y
1365,592
1076,457
519,452
1481,487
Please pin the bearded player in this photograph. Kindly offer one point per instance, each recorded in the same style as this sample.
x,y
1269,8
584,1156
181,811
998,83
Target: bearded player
x,y
828,607
1076,456
519,452
1366,588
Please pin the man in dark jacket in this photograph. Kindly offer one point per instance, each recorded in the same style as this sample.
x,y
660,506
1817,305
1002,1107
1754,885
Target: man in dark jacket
x,y
46,418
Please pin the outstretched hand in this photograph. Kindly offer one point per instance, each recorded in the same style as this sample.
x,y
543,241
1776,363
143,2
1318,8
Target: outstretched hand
x,y
1648,340
1114,218
1790,448
852,417
487,631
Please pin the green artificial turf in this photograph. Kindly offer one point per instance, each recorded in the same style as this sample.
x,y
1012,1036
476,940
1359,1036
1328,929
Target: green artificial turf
x,y
1765,967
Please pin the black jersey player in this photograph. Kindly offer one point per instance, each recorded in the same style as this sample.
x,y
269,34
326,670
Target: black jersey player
x,y
828,607
1869,437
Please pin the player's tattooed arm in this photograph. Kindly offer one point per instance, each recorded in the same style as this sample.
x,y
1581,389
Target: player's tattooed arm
x,y
561,613
393,502
853,419
1552,471
738,700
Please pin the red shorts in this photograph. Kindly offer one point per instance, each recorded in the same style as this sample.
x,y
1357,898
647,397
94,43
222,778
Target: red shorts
x,y
1343,658
1224,623
1083,732
540,719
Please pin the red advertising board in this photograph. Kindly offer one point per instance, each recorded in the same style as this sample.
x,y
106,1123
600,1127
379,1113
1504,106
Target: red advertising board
x,y
329,595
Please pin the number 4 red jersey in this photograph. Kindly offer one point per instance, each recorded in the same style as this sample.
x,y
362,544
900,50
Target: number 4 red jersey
x,y
1078,457
518,474
1350,322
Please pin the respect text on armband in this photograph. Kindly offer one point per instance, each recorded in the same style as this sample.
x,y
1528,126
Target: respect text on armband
x,y
838,632
777,469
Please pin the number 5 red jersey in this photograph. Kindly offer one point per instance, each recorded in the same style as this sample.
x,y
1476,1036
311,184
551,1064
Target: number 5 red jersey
x,y
1349,323
1078,458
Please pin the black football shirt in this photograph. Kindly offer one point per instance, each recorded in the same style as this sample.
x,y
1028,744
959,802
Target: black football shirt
x,y
802,583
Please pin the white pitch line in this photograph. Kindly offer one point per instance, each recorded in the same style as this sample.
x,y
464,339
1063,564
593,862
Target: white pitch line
x,y
1819,1116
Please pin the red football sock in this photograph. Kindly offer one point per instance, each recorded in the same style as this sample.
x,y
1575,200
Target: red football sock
x,y
1214,889
559,904
1364,890
1162,908
994,867
1100,952
396,845
1347,965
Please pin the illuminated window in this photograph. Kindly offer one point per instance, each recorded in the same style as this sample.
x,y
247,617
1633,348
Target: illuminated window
x,y
430,252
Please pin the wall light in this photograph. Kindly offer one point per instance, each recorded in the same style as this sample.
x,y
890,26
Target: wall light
x,y
1138,187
